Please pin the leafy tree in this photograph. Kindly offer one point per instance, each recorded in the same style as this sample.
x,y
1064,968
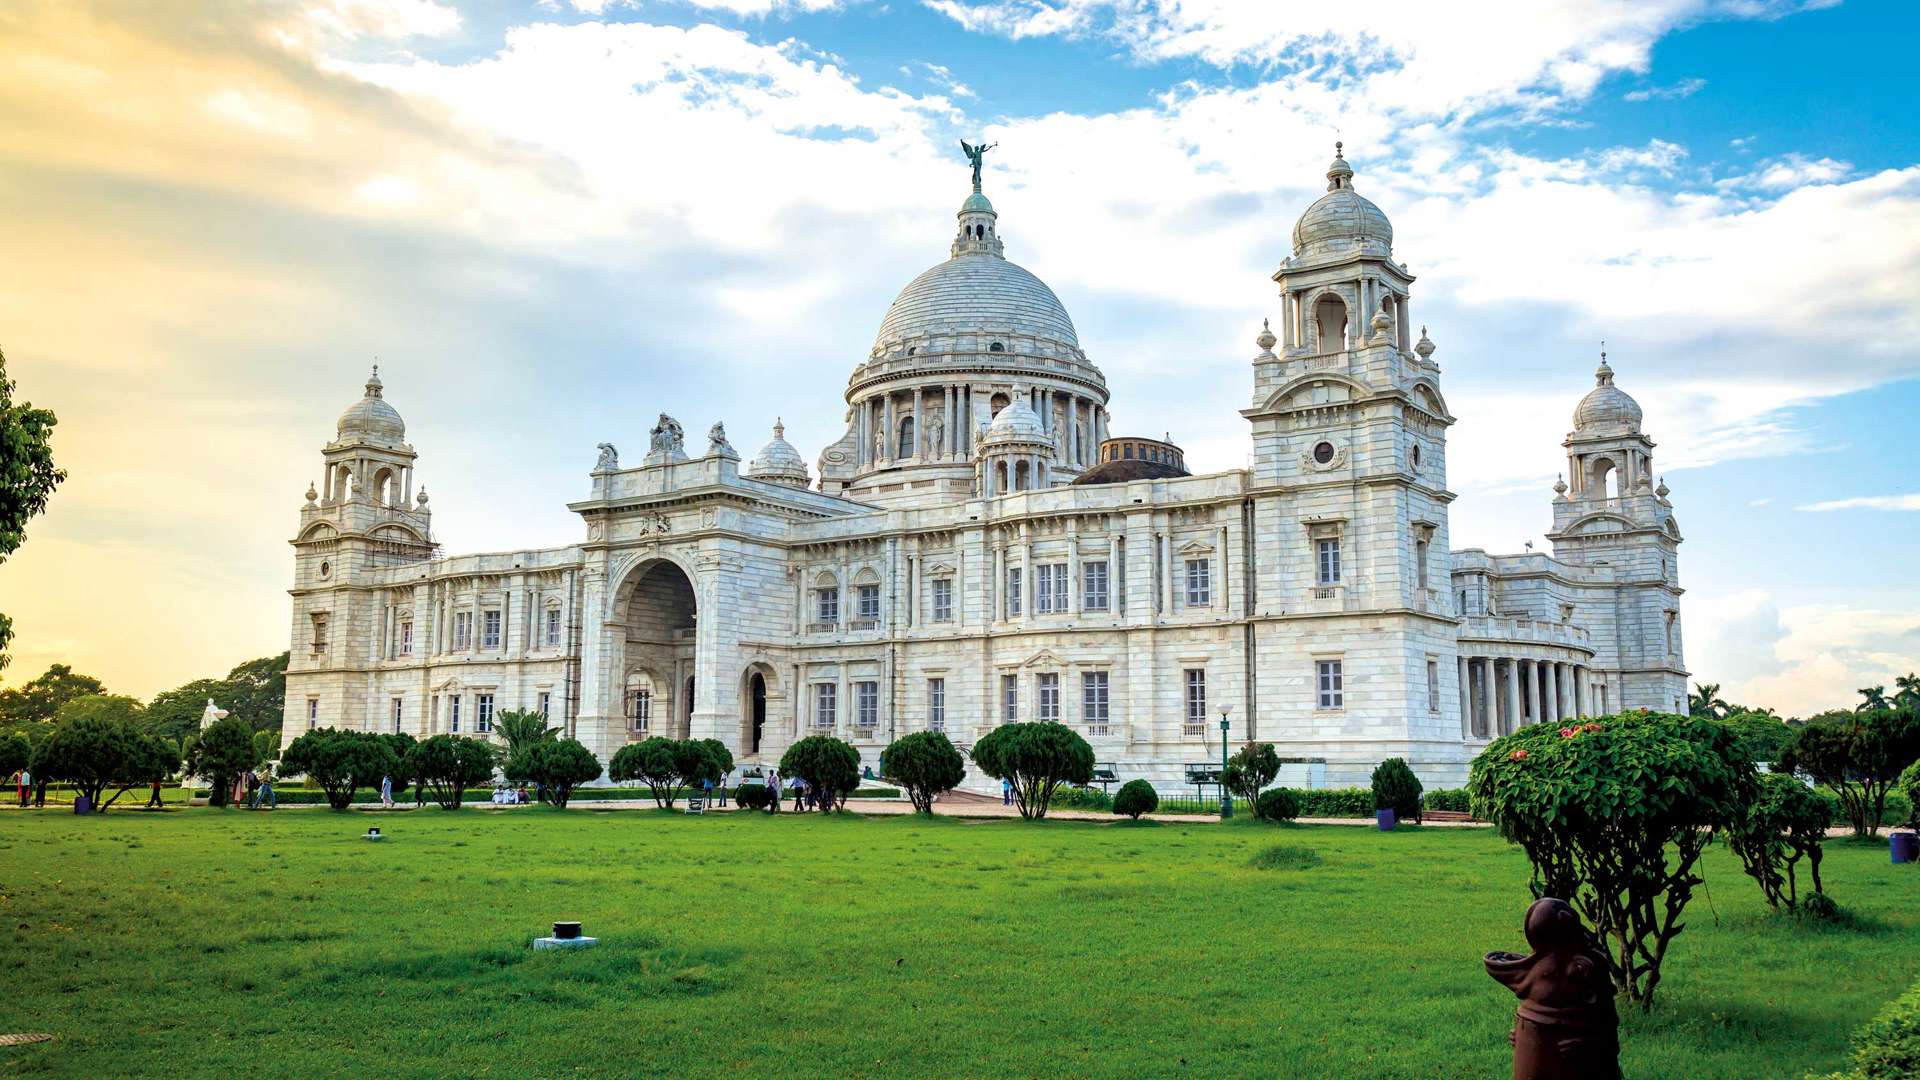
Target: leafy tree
x,y
1396,788
926,764
1858,755
35,701
340,761
830,767
1784,824
1909,785
267,745
693,762
27,478
558,766
98,743
1134,798
256,692
16,750
1250,770
1613,814
220,752
176,713
650,761
1036,758
448,765
1706,701
1761,735
722,757
521,728
1873,699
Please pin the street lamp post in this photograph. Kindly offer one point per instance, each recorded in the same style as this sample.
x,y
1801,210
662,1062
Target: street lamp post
x,y
1226,796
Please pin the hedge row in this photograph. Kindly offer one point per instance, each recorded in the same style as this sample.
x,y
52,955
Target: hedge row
x,y
1897,811
1454,799
1888,1046
300,796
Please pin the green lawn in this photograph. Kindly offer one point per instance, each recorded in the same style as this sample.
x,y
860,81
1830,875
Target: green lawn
x,y
198,942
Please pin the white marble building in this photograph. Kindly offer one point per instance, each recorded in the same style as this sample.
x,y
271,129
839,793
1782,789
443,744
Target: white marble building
x,y
976,549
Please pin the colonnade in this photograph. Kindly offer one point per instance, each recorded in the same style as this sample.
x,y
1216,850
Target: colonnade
x,y
941,422
1499,694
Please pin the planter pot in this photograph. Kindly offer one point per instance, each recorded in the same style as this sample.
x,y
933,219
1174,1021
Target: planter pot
x,y
1385,819
82,804
1905,846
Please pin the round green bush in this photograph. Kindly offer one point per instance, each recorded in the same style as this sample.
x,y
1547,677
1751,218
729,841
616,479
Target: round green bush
x,y
753,796
926,764
1277,804
1134,798
1396,788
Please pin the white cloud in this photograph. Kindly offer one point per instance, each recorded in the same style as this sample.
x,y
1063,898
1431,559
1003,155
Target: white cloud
x,y
391,20
1865,502
1801,659
1788,172
1683,89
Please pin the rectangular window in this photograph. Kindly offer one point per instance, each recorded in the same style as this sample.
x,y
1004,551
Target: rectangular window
x,y
313,713
937,704
319,632
1049,589
1013,591
546,703
640,709
406,638
454,721
397,705
490,629
866,705
1420,555
483,713
553,628
1009,698
1093,701
1199,582
1093,585
1048,686
826,605
869,603
462,630
1332,689
1196,723
825,700
1433,686
943,600
1328,554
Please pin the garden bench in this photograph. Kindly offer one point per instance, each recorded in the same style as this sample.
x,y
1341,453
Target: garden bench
x,y
1104,775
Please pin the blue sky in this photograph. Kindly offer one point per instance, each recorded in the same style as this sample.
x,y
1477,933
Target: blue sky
x,y
553,220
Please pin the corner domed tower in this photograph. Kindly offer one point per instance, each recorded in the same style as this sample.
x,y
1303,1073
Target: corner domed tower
x,y
778,462
959,344
1015,453
1611,511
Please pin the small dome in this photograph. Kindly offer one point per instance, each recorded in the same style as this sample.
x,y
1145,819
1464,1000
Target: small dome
x,y
778,462
1342,218
371,418
1015,423
977,204
1606,407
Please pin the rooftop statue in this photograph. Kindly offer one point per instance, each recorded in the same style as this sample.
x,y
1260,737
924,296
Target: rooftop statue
x,y
976,154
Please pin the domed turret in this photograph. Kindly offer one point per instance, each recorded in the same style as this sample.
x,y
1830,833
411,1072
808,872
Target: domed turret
x,y
371,419
1015,423
778,462
1341,219
1606,408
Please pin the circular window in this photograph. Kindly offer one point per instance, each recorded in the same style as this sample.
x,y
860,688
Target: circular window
x,y
326,568
1416,457
1323,453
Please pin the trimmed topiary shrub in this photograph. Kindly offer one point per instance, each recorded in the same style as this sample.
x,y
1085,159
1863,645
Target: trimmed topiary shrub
x,y
1277,804
830,767
448,765
340,761
1134,798
1396,788
926,764
558,766
1251,769
1783,824
102,748
1888,1046
753,797
1036,758
1614,814
652,762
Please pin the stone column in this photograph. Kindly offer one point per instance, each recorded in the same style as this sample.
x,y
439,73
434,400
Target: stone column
x,y
913,590
1026,572
1113,573
1580,707
1513,697
1565,679
887,446
952,407
1533,689
1466,702
1483,699
919,424
1556,710
1073,565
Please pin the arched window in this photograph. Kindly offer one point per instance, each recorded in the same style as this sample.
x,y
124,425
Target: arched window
x,y
999,477
998,402
1330,324
1022,476
1605,481
906,437
996,347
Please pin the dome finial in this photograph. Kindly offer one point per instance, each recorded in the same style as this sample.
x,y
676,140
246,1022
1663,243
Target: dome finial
x,y
1603,375
373,381
1339,174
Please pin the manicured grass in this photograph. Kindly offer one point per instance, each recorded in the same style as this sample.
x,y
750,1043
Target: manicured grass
x,y
204,942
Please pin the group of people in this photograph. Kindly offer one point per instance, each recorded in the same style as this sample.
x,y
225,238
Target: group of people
x,y
250,789
804,797
510,796
30,789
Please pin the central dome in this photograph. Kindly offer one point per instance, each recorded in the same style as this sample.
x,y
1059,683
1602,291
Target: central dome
x,y
976,292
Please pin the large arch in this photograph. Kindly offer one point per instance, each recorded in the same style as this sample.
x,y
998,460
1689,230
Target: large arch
x,y
659,609
759,685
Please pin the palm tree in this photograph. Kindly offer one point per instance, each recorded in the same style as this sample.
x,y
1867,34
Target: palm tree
x,y
1706,701
1872,697
1908,692
521,728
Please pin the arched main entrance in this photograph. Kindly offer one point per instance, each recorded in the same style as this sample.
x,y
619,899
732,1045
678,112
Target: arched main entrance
x,y
757,710
661,613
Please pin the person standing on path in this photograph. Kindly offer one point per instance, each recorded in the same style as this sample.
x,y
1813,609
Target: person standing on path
x,y
386,792
799,794
26,785
773,785
253,790
1006,792
153,800
266,789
